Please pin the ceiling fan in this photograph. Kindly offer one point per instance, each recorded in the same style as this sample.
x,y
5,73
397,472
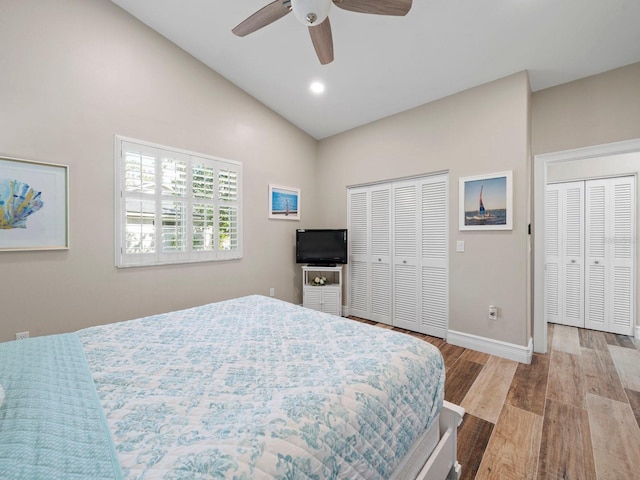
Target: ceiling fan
x,y
314,14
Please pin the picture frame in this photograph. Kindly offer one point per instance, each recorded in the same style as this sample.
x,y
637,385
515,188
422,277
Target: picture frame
x,y
486,202
284,202
34,205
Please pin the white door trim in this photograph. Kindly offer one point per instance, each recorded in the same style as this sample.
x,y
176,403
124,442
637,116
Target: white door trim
x,y
540,164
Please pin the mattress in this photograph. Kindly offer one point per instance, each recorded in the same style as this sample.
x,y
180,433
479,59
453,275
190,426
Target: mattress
x,y
257,388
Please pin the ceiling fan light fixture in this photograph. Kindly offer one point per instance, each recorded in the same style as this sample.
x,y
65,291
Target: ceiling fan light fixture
x,y
311,12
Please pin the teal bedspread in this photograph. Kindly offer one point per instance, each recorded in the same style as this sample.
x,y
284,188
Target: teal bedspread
x,y
51,422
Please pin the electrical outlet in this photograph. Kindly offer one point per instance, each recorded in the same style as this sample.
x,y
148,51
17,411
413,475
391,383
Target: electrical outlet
x,y
272,292
493,312
22,335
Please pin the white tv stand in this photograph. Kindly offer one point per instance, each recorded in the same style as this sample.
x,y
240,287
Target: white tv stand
x,y
324,298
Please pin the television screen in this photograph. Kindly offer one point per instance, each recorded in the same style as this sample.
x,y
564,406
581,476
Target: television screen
x,y
321,246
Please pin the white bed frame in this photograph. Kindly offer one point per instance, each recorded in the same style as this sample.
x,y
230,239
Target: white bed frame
x,y
443,464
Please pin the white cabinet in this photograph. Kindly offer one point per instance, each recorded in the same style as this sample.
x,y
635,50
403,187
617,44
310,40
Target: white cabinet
x,y
324,298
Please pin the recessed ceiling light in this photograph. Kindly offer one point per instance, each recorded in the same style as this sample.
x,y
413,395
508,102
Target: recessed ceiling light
x,y
317,88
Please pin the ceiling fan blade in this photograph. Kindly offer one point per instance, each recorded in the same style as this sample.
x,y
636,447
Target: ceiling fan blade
x,y
263,17
377,7
322,41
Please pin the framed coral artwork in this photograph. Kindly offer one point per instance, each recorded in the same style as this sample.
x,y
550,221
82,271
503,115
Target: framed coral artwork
x,y
34,205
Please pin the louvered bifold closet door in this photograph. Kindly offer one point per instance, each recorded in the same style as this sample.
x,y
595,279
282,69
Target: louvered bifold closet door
x,y
380,258
572,227
553,252
622,252
597,205
610,250
564,253
435,257
358,221
406,245
398,261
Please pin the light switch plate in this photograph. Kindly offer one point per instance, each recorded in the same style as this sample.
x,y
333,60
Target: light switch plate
x,y
460,246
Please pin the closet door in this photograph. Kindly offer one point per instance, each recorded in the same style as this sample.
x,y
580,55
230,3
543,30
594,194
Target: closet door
x,y
553,254
622,255
610,252
370,273
597,205
380,257
359,290
435,256
406,245
572,229
398,257
420,261
564,251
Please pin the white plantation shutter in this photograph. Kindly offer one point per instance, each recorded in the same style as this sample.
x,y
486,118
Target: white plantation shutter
x,y
228,218
175,206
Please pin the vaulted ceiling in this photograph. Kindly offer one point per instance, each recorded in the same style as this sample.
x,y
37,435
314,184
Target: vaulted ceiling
x,y
387,64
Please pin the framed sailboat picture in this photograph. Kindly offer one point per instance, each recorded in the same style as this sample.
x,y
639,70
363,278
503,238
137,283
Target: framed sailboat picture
x,y
486,202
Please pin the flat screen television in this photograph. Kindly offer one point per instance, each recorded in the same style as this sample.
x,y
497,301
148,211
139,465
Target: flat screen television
x,y
323,247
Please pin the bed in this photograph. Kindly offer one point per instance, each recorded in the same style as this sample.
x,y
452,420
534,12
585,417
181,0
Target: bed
x,y
249,388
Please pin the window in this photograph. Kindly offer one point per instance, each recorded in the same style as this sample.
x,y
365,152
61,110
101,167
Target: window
x,y
174,206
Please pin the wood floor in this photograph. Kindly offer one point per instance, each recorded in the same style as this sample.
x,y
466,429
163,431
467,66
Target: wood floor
x,y
573,413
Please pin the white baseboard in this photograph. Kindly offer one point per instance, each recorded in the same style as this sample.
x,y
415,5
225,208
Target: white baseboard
x,y
493,347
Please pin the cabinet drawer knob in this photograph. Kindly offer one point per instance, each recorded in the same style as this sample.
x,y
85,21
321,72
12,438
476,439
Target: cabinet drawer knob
x,y
597,262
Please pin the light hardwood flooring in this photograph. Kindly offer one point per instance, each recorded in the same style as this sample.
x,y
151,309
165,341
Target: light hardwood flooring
x,y
573,413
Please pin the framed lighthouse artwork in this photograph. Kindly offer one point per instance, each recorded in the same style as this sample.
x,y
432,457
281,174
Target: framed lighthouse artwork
x,y
284,202
486,202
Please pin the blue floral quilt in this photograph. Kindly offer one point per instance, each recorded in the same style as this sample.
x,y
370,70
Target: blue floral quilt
x,y
257,388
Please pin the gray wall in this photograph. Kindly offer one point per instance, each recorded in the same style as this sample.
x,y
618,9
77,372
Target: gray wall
x,y
77,72
479,131
600,109
597,110
74,74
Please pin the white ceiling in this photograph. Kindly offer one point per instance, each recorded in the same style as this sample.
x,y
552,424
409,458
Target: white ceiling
x,y
384,65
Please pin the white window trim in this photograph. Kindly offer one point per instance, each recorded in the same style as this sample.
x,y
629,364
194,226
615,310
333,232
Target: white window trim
x,y
124,260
